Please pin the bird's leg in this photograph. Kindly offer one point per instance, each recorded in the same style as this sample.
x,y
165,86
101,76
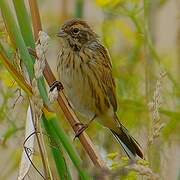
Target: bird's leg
x,y
57,84
82,127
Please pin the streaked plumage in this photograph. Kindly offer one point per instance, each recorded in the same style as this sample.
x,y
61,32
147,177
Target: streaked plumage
x,y
84,68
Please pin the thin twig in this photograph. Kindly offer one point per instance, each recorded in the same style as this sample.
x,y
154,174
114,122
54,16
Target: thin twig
x,y
27,150
17,99
62,101
39,142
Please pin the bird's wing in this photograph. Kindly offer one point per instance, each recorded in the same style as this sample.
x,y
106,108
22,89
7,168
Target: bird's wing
x,y
105,71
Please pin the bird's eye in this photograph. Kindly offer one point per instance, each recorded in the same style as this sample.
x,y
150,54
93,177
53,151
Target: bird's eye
x,y
75,30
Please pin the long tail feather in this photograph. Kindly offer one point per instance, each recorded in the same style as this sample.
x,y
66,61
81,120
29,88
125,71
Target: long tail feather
x,y
128,143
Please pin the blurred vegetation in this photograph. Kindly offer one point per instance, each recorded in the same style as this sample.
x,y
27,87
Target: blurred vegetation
x,y
128,28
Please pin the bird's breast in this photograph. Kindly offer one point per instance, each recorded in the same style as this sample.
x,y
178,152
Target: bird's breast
x,y
72,74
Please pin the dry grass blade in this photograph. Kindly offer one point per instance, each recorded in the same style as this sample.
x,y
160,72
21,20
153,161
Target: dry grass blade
x,y
70,115
25,163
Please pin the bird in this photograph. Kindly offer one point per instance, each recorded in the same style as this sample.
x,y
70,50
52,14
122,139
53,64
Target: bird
x,y
85,70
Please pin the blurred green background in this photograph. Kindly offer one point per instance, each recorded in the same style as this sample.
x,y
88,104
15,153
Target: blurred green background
x,y
143,38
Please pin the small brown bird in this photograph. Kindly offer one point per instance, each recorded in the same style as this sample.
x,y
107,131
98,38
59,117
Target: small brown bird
x,y
85,70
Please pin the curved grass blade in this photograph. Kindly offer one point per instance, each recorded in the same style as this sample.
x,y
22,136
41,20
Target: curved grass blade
x,y
25,163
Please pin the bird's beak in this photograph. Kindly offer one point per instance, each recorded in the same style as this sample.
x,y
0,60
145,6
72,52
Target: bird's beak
x,y
61,33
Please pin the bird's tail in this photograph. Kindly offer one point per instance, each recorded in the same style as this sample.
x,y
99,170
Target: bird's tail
x,y
128,143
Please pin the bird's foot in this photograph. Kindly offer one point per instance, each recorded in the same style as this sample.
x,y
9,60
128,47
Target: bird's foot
x,y
53,93
80,128
56,84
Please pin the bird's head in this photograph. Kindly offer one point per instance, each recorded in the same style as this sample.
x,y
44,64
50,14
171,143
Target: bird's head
x,y
75,33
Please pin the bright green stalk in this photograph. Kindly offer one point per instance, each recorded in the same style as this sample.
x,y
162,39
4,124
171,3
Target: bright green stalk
x,y
25,27
42,89
69,148
17,36
24,22
56,149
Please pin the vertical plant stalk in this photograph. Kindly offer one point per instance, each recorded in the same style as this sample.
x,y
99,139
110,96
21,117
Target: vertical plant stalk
x,y
178,45
148,62
22,16
62,101
17,38
148,56
38,101
35,17
64,10
79,8
151,55
56,149
37,105
39,140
